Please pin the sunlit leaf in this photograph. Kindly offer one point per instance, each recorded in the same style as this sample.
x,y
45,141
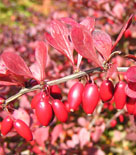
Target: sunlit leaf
x,y
83,44
59,39
131,74
102,42
89,23
16,64
41,57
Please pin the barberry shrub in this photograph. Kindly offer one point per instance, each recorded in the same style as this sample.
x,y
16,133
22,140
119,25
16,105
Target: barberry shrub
x,y
51,106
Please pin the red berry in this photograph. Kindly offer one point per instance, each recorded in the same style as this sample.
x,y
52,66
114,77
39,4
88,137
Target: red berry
x,y
106,90
121,118
130,105
55,92
110,107
113,123
134,112
23,130
90,98
2,100
36,99
66,106
120,95
44,111
127,33
6,125
60,110
75,96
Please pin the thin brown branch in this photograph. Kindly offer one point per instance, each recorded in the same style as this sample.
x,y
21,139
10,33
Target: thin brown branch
x,y
58,81
114,117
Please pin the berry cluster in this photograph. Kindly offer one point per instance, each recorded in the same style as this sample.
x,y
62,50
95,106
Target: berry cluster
x,y
20,126
88,96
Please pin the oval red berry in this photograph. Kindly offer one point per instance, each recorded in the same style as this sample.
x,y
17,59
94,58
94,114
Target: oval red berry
x,y
90,98
120,95
75,96
60,110
23,130
44,111
106,90
6,125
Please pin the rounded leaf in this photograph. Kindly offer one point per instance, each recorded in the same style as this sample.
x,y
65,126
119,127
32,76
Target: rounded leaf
x,y
16,64
131,74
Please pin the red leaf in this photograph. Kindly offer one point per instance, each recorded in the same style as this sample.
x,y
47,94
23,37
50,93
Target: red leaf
x,y
16,64
125,27
35,71
111,71
2,67
41,58
83,44
41,135
59,39
56,132
82,121
131,93
89,23
131,74
6,83
10,79
22,115
84,137
102,42
69,21
24,102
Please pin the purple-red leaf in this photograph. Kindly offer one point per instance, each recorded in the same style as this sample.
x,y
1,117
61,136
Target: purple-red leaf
x,y
111,71
125,27
130,92
16,64
83,44
3,69
6,83
41,58
35,71
102,42
69,21
59,39
41,135
131,74
22,115
56,132
89,23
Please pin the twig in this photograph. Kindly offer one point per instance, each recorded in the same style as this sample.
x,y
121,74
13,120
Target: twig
x,y
58,81
99,109
114,117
